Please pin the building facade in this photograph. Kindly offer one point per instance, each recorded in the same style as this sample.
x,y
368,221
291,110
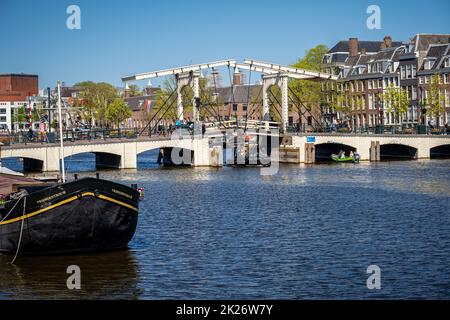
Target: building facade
x,y
15,90
366,73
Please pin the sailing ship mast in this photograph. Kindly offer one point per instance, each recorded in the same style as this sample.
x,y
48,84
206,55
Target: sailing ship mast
x,y
61,138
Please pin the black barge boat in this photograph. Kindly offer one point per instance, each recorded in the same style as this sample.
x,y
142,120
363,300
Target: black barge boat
x,y
83,215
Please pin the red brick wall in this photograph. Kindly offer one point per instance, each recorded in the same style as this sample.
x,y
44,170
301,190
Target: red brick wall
x,y
18,87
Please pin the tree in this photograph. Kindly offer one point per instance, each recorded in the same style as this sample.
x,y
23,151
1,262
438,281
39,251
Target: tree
x,y
396,100
310,92
164,100
117,111
340,104
435,100
94,100
134,90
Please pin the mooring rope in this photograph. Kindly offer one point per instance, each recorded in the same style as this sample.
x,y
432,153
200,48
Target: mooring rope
x,y
20,195
21,230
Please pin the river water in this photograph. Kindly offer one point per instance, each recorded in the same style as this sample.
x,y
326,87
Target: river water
x,y
308,232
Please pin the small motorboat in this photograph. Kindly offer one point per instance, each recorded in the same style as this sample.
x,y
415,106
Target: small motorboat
x,y
343,158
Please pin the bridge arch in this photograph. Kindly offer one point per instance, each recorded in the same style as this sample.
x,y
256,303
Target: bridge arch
x,y
24,164
441,151
398,151
165,155
102,159
324,150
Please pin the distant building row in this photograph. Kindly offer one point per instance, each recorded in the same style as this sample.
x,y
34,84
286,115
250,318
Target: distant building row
x,y
367,68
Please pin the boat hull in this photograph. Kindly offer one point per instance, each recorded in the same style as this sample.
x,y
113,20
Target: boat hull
x,y
81,216
336,158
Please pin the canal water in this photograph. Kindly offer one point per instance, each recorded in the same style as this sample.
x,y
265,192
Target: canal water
x,y
308,232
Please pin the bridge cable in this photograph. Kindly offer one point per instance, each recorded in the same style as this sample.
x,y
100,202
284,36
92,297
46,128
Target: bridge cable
x,y
159,109
257,97
277,101
215,114
215,94
162,116
308,109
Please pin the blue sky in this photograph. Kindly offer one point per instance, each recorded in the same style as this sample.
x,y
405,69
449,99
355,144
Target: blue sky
x,y
118,38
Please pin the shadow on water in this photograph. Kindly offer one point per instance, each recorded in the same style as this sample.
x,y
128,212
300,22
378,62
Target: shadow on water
x,y
110,275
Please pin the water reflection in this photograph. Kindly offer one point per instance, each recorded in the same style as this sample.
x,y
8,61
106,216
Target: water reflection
x,y
307,232
107,275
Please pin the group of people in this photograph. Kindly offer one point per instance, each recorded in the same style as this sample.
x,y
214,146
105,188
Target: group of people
x,y
341,154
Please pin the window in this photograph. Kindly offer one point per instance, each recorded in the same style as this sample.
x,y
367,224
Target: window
x,y
370,84
427,80
414,71
420,80
402,72
244,107
414,93
408,71
447,98
429,64
2,119
235,106
2,111
445,76
447,63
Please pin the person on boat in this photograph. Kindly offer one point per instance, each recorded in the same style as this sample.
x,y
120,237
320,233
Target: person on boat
x,y
352,155
341,154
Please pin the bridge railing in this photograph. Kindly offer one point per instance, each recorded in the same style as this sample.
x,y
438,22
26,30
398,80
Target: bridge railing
x,y
381,129
26,137
30,137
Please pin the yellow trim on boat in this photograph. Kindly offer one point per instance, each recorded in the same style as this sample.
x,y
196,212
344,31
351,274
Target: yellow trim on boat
x,y
63,202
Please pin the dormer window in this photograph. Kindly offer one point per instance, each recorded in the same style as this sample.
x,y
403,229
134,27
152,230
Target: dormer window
x,y
429,64
447,62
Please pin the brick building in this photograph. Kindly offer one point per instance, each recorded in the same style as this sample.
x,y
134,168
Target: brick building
x,y
435,62
365,74
14,90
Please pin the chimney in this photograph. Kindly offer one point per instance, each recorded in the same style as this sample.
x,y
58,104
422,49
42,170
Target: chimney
x,y
149,89
353,46
237,79
388,41
126,93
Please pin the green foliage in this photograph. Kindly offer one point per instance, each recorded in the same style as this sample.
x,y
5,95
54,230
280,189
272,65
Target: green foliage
x,y
164,100
274,108
117,111
396,100
340,104
95,98
134,90
310,92
208,109
435,101
18,115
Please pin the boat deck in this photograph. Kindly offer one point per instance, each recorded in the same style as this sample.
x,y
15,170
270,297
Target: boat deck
x,y
10,183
